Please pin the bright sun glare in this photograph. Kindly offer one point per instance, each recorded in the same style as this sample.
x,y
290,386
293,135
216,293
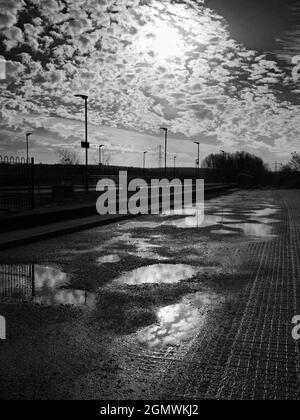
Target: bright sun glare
x,y
164,40
167,42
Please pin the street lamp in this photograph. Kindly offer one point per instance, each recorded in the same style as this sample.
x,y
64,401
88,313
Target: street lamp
x,y
27,146
144,159
198,162
100,159
166,146
175,157
85,145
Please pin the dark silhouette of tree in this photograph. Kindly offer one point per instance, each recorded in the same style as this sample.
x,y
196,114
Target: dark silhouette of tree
x,y
290,173
68,157
234,165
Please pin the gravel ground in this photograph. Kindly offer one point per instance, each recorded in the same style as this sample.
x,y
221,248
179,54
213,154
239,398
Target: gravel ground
x,y
216,324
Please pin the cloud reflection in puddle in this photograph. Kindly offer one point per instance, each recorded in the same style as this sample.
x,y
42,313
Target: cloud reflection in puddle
x,y
178,323
159,274
109,259
41,285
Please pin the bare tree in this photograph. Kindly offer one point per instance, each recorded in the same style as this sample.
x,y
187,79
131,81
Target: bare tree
x,y
68,157
294,163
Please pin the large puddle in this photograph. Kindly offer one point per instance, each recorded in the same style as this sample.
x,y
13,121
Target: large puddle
x,y
178,323
40,285
256,222
158,274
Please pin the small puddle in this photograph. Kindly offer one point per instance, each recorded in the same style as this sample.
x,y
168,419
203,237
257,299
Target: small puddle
x,y
198,222
159,274
148,255
264,212
163,274
178,323
139,225
224,232
40,285
109,259
254,229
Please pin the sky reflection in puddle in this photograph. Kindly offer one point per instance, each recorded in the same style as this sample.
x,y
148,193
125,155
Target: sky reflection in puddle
x,y
178,323
255,223
163,274
254,229
224,232
109,259
159,274
40,285
197,221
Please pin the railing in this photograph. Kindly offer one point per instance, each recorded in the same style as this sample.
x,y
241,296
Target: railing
x,y
16,183
17,282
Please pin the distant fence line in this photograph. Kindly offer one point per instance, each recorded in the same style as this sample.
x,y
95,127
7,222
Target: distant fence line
x,y
16,183
12,160
47,174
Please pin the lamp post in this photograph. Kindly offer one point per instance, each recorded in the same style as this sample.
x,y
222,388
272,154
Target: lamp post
x,y
100,159
144,159
166,147
198,161
27,146
85,145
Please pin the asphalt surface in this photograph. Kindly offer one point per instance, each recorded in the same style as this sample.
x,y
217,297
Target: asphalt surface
x,y
159,307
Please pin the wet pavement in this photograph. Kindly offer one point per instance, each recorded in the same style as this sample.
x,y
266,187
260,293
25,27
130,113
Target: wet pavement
x,y
181,305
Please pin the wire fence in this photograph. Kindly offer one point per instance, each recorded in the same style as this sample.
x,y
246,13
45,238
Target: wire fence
x,y
17,282
16,183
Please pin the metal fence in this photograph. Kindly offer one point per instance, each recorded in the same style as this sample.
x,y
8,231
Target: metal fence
x,y
16,183
17,282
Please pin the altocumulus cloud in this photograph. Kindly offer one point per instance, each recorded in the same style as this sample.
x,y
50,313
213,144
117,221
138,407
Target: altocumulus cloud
x,y
143,64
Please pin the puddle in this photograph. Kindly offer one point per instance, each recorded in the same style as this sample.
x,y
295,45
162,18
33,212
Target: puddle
x,y
224,232
164,274
264,212
254,229
140,225
80,252
178,323
148,255
109,259
193,218
159,274
198,222
41,285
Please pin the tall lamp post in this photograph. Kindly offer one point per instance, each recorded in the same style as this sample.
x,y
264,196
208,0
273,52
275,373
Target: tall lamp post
x,y
85,145
144,159
27,146
100,158
198,161
175,157
166,147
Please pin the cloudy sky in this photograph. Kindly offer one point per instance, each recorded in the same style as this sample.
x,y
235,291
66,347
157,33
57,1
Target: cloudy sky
x,y
222,72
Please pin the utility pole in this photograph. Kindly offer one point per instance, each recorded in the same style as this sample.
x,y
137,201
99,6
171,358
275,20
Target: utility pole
x,y
160,157
198,161
144,159
100,158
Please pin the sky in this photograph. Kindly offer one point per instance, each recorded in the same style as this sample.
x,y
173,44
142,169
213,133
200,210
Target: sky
x,y
221,72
